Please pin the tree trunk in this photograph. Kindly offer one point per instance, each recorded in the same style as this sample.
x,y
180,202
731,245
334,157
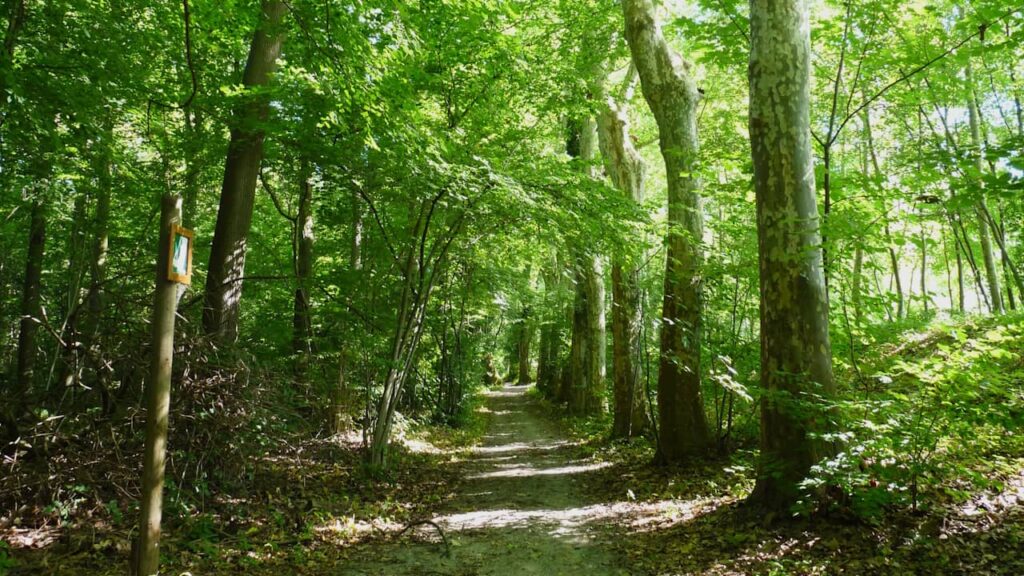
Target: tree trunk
x,y
961,296
302,325
894,259
924,266
96,299
587,357
894,263
547,361
77,262
796,356
342,395
223,292
625,168
193,168
31,316
587,351
984,233
16,15
523,348
672,95
857,288
158,397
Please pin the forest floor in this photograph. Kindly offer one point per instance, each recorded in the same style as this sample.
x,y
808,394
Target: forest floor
x,y
537,494
519,510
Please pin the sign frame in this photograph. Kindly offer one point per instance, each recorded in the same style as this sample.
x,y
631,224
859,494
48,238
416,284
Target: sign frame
x,y
180,232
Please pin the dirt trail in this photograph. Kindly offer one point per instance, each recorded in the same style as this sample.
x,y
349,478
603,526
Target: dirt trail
x,y
519,511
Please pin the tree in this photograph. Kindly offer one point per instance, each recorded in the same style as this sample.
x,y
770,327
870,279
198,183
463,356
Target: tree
x,y
672,95
981,208
226,271
796,361
625,168
587,347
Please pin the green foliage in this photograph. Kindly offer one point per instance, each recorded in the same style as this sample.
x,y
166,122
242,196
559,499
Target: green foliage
x,y
6,561
933,424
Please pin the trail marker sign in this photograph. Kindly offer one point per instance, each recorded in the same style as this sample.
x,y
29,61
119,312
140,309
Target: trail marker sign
x,y
179,261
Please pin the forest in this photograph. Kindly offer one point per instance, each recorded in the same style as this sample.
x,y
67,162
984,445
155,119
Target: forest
x,y
489,287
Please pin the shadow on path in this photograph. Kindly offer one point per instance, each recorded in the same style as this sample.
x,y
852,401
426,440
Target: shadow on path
x,y
520,510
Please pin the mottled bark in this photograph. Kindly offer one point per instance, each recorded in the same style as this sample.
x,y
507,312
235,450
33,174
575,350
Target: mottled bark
x,y
796,356
223,292
625,168
585,391
586,356
672,95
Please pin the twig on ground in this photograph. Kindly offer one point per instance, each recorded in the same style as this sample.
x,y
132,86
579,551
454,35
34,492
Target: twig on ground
x,y
411,525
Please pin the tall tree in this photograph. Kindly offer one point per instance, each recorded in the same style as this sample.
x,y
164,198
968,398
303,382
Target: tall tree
x,y
223,293
670,91
625,168
796,355
302,323
981,207
587,347
523,348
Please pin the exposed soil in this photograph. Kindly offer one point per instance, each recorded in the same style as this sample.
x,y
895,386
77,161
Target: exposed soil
x,y
521,509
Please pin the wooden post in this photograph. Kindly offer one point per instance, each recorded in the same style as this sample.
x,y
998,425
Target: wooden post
x,y
158,396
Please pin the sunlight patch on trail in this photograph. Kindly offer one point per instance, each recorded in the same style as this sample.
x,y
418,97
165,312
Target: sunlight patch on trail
x,y
528,471
513,447
640,516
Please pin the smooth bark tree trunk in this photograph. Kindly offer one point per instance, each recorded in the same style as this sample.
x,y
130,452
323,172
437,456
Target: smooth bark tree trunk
x,y
302,325
671,93
796,355
968,251
894,264
857,285
193,168
419,277
226,270
924,267
961,294
158,397
980,208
